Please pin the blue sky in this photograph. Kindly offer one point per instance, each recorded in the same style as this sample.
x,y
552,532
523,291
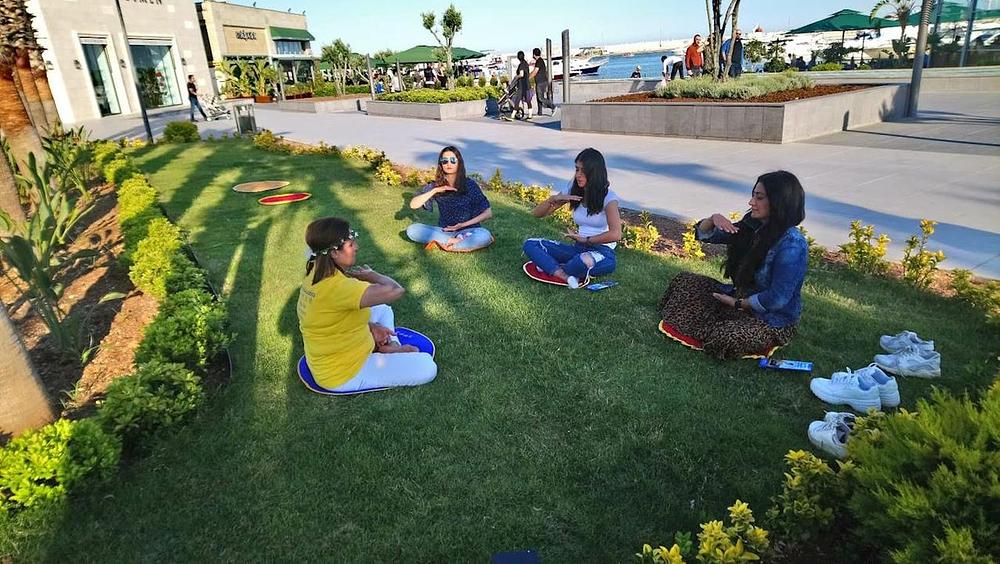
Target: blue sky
x,y
371,25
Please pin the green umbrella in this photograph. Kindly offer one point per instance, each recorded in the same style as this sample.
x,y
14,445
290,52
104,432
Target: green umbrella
x,y
843,21
426,54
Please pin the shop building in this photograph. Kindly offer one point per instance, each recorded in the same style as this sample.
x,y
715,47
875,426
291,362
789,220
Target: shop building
x,y
88,66
233,31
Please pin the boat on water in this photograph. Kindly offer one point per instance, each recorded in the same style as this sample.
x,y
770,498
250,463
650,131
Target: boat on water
x,y
578,65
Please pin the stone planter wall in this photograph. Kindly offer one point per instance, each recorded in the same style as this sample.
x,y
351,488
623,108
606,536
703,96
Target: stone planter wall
x,y
324,105
767,123
587,90
451,110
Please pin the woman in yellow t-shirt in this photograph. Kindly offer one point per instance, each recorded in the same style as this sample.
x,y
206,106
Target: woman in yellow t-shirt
x,y
347,325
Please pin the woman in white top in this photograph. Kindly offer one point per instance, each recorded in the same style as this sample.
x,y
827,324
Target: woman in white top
x,y
599,225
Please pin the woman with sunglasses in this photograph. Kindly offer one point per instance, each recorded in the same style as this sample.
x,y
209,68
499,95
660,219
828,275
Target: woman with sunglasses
x,y
347,325
599,225
461,207
766,259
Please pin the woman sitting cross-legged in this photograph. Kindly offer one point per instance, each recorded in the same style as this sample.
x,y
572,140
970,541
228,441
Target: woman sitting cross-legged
x,y
461,207
766,259
347,325
599,225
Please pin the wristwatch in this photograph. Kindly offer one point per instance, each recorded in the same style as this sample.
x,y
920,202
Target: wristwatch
x,y
738,304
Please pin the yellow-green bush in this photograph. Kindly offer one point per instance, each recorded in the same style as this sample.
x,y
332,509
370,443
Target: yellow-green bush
x,y
919,264
428,95
740,541
119,169
385,172
642,236
155,396
51,462
189,329
135,196
745,87
154,258
180,132
983,295
691,245
105,152
865,252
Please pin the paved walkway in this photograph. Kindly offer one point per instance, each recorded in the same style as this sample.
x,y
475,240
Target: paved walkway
x,y
944,166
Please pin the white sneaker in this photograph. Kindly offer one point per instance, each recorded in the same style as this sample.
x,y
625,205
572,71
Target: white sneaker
x,y
888,389
848,388
903,341
829,437
911,362
572,282
841,417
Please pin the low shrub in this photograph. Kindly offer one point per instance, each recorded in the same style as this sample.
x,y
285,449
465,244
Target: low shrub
x,y
266,140
155,257
984,295
134,230
482,82
135,196
828,67
812,498
119,169
464,82
385,172
919,264
717,543
927,481
640,237
185,275
864,66
743,88
51,462
865,253
155,396
180,132
430,96
692,247
105,152
373,157
418,178
817,253
190,329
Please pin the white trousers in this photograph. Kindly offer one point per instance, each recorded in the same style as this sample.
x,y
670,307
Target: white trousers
x,y
390,370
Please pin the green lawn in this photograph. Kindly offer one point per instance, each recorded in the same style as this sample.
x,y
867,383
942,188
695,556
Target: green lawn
x,y
560,421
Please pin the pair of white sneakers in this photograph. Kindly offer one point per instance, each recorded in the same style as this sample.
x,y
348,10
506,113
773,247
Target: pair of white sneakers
x,y
867,388
909,355
831,434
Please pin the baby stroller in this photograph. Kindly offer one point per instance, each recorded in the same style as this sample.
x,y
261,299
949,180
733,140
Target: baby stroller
x,y
214,108
507,112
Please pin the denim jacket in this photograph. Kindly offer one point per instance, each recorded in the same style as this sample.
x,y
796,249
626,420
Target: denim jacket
x,y
777,297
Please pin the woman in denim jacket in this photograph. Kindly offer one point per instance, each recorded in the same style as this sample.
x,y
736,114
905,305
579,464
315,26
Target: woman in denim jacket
x,y
766,259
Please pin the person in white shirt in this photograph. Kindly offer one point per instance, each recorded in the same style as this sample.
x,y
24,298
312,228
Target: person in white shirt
x,y
672,67
599,225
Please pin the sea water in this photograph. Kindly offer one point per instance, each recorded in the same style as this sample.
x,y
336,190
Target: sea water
x,y
620,66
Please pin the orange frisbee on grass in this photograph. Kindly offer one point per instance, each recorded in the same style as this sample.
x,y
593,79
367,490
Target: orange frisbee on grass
x,y
279,199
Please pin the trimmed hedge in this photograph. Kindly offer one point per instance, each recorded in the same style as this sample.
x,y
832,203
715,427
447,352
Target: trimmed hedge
x,y
119,169
743,88
154,258
190,328
428,95
181,132
49,463
155,396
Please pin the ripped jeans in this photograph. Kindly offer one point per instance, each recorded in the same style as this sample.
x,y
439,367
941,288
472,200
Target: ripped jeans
x,y
550,255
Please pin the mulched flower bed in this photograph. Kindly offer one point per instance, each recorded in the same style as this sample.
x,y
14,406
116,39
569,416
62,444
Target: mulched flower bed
x,y
775,97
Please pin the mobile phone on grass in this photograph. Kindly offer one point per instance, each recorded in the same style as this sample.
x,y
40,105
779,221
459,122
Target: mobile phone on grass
x,y
793,365
601,285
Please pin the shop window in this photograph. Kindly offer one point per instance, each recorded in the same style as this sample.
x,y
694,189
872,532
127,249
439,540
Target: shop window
x,y
289,47
154,66
99,67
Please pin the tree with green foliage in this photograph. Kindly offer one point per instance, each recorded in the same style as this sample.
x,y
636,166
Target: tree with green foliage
x,y
755,51
338,55
451,24
902,9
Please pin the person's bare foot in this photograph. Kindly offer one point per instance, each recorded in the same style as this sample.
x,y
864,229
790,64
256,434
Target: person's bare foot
x,y
390,348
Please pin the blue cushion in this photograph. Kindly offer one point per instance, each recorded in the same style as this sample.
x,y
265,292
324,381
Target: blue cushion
x,y
405,336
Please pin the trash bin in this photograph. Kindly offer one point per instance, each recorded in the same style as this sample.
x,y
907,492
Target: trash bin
x,y
245,120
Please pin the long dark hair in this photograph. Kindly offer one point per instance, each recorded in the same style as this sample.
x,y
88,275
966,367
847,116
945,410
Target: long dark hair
x,y
749,246
460,178
596,172
323,237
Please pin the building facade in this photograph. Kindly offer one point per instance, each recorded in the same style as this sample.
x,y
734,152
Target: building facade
x,y
88,66
232,32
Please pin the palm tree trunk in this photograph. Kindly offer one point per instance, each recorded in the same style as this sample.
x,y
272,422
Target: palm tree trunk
x,y
26,81
17,130
42,84
23,402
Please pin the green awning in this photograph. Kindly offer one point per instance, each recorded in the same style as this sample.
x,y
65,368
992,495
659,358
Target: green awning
x,y
844,20
951,12
292,34
426,54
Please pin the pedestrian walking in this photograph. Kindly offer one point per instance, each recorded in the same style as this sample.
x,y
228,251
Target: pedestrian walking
x,y
736,64
192,88
543,87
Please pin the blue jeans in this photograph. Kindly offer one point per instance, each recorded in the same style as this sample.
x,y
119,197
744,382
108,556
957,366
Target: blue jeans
x,y
196,104
550,255
473,238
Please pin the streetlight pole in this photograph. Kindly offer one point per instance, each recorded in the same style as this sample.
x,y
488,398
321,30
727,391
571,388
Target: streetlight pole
x,y
135,75
918,59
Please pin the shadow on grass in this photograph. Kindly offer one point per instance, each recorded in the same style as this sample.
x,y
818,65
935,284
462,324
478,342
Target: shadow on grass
x,y
560,420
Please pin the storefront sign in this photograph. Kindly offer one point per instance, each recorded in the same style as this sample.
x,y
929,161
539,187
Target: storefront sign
x,y
245,40
152,2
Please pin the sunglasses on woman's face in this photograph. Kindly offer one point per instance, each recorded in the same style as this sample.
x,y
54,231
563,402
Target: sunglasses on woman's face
x,y
446,160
